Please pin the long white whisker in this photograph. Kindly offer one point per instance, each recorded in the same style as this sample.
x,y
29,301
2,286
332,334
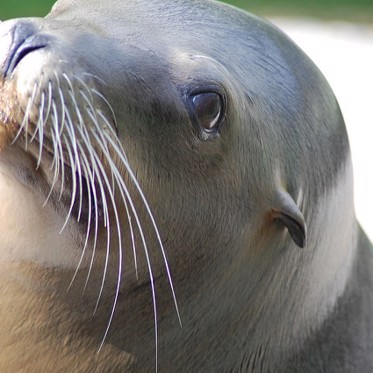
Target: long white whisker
x,y
129,218
27,114
95,77
71,131
73,178
50,97
59,149
24,124
82,131
108,104
47,116
95,201
120,250
146,251
99,130
92,113
74,140
108,234
55,164
85,138
63,106
97,164
41,124
40,127
134,180
41,109
65,76
87,175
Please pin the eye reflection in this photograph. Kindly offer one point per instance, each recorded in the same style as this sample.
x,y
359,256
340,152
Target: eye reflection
x,y
207,108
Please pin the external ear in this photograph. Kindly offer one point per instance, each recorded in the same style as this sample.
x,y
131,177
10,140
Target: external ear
x,y
286,211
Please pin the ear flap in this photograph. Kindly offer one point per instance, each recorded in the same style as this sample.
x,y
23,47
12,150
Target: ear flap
x,y
287,212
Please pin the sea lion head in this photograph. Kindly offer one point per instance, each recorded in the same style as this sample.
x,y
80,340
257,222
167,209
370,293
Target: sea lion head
x,y
196,136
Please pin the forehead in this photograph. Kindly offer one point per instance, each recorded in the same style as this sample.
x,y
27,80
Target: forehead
x,y
159,20
166,28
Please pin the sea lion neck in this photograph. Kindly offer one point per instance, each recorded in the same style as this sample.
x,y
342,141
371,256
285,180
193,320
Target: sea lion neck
x,y
35,294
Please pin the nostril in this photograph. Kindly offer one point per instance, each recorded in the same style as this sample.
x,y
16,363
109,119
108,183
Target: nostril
x,y
23,41
23,50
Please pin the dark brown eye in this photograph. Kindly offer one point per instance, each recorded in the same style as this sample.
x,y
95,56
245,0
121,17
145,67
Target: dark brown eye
x,y
208,107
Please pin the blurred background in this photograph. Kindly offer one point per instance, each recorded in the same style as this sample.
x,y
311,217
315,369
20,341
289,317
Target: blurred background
x,y
338,36
24,8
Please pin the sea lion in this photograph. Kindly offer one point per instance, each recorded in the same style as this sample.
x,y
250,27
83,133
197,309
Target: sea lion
x,y
176,195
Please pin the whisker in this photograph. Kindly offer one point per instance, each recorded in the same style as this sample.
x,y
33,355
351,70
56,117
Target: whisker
x,y
27,115
129,218
71,132
56,165
40,127
81,127
63,105
134,180
41,109
84,135
89,100
24,125
57,139
43,120
95,121
85,138
87,177
97,165
88,142
66,77
95,201
109,106
73,178
108,242
120,252
95,77
146,251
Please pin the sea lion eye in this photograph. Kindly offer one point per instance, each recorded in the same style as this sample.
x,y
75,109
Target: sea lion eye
x,y
207,109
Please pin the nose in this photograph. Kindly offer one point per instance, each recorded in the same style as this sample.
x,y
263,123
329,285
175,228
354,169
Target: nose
x,y
17,40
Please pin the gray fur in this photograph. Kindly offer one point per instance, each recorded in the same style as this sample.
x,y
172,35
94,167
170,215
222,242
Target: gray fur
x,y
178,227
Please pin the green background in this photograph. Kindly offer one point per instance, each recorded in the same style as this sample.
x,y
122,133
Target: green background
x,y
354,10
